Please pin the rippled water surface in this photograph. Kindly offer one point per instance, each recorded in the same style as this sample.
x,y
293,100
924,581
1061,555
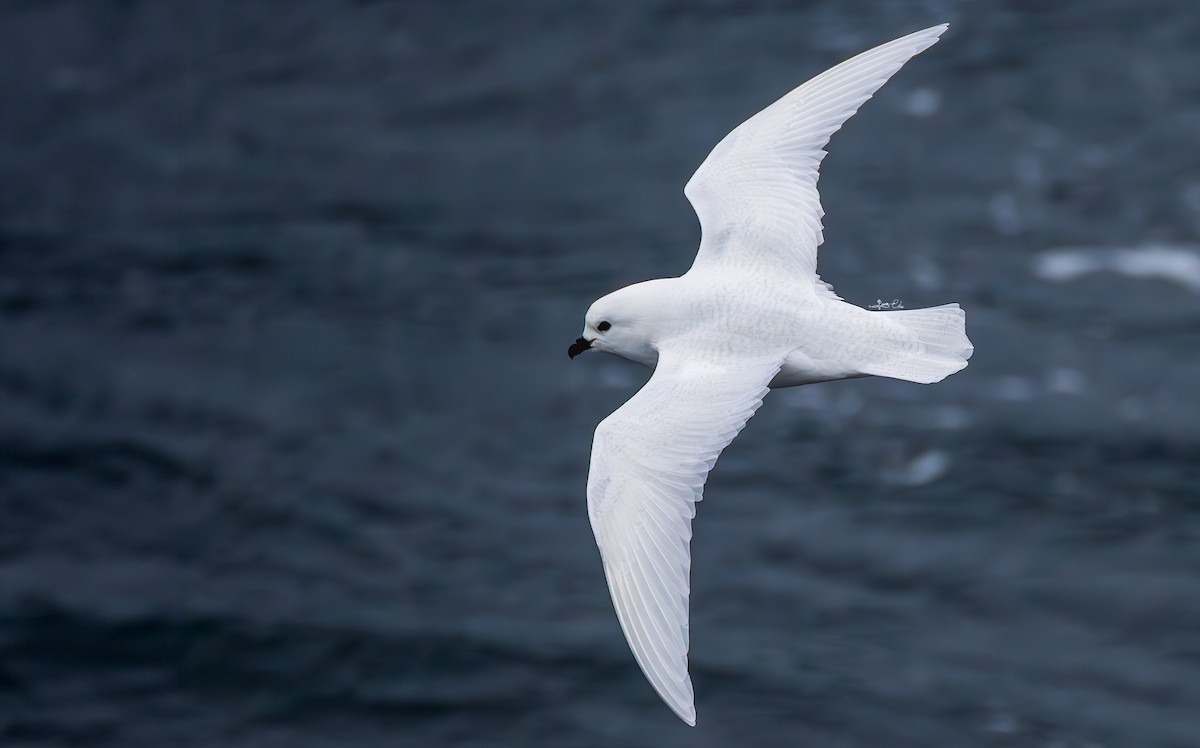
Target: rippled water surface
x,y
291,454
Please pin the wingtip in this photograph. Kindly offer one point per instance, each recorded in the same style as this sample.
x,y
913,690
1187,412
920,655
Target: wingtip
x,y
919,41
686,711
934,31
925,38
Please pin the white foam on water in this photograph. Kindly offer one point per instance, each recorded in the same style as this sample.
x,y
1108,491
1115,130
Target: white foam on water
x,y
923,102
1065,381
1176,264
927,467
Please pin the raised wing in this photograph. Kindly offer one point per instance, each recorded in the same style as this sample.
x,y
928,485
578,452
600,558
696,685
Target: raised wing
x,y
650,460
756,193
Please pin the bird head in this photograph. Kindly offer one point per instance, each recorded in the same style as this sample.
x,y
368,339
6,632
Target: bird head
x,y
626,323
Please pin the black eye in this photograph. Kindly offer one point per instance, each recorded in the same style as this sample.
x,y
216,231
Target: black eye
x,y
603,326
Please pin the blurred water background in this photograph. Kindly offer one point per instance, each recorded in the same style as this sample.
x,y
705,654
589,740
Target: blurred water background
x,y
291,453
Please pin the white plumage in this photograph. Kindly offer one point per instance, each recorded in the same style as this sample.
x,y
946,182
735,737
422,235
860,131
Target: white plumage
x,y
750,314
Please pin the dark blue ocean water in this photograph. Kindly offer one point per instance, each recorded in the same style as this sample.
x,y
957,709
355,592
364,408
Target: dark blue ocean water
x,y
291,454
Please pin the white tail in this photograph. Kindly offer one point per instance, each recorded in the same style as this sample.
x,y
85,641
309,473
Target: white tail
x,y
933,344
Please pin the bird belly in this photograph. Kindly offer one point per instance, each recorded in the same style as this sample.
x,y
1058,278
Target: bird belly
x,y
802,368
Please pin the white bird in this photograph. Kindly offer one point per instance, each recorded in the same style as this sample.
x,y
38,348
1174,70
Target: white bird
x,y
749,315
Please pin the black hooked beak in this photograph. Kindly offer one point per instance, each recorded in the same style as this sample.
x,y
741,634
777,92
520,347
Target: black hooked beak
x,y
578,347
